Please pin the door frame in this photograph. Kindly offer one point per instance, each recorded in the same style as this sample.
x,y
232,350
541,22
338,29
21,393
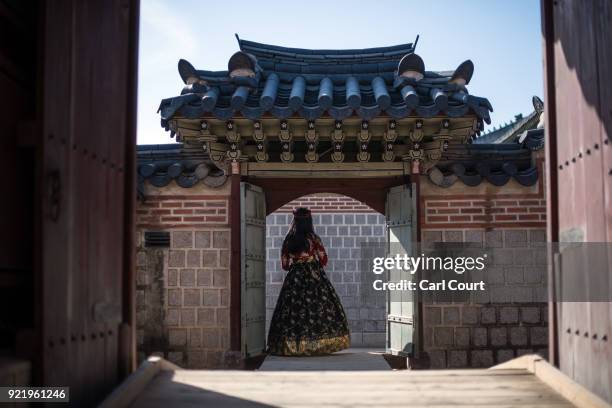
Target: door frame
x,y
279,191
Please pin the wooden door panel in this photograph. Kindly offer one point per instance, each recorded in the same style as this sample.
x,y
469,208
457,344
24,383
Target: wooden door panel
x,y
579,70
88,130
253,274
401,234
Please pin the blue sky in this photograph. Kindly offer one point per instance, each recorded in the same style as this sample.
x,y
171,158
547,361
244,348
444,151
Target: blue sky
x,y
502,38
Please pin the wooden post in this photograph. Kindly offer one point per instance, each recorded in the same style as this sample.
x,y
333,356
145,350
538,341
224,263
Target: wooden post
x,y
420,361
127,347
550,165
235,261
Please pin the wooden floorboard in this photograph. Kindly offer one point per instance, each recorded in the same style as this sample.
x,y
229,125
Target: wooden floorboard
x,y
443,388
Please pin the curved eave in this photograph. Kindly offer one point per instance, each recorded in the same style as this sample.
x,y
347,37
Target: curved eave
x,y
478,174
267,51
160,165
494,163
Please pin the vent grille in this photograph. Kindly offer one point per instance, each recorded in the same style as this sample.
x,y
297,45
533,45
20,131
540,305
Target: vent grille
x,y
157,239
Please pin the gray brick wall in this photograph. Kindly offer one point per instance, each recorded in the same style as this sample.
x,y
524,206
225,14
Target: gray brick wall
x,y
506,321
342,235
182,299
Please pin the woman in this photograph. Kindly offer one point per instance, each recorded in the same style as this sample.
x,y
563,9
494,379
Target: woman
x,y
308,319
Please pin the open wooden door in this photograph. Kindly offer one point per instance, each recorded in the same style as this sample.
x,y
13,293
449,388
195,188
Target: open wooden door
x,y
253,271
401,304
579,197
87,196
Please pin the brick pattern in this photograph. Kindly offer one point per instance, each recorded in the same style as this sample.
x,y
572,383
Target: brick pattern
x,y
466,212
175,211
327,203
467,335
506,321
342,235
192,299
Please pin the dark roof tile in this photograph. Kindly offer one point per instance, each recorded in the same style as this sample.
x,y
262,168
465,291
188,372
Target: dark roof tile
x,y
317,67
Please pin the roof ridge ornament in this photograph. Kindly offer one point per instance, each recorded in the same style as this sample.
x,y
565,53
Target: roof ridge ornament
x,y
537,103
244,72
463,73
186,70
411,66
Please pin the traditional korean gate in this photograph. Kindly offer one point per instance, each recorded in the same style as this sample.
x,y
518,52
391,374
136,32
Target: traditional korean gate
x,y
253,270
401,304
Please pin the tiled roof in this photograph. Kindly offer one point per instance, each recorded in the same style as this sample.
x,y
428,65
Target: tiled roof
x,y
285,81
520,130
509,132
474,163
161,164
470,164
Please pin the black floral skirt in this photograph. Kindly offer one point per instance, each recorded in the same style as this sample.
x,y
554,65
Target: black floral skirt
x,y
308,319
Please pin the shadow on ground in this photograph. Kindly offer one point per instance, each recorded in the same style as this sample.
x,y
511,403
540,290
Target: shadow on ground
x,y
352,359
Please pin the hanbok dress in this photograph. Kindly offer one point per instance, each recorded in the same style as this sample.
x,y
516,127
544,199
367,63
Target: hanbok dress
x,y
308,319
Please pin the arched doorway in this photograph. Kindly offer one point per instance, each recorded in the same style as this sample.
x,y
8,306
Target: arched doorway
x,y
345,225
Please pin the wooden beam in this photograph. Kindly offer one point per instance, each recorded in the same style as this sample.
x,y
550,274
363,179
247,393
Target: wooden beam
x,y
326,170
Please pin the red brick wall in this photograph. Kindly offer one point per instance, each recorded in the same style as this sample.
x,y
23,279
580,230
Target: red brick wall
x,y
478,212
174,211
327,203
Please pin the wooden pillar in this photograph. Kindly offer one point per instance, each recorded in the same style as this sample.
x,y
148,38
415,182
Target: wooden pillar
x,y
127,347
415,180
235,261
550,169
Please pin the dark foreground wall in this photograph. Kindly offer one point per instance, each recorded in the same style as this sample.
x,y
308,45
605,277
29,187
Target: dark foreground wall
x,y
578,63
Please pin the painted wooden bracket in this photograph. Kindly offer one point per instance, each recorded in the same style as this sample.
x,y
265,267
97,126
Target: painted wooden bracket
x,y
388,139
337,138
261,155
201,138
416,135
286,141
416,151
312,140
439,144
363,139
233,139
218,155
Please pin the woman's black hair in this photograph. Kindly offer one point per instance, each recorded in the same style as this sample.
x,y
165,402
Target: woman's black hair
x,y
301,229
